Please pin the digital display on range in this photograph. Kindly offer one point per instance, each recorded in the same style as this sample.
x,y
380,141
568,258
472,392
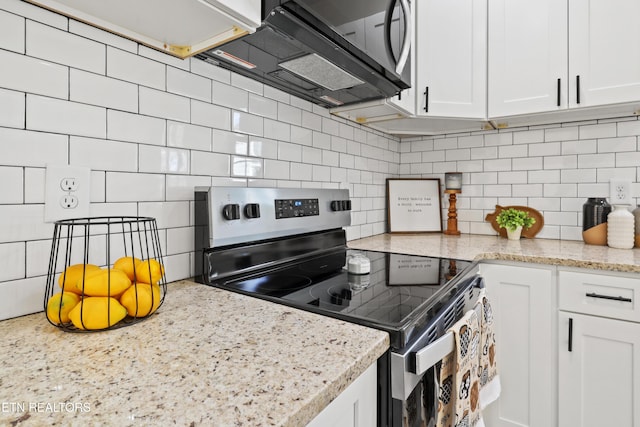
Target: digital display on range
x,y
293,208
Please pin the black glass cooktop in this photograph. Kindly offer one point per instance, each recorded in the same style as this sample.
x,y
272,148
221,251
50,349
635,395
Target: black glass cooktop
x,y
394,296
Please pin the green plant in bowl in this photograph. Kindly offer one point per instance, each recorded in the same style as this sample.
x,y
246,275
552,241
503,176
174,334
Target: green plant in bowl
x,y
513,218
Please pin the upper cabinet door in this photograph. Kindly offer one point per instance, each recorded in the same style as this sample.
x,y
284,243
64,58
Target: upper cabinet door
x,y
181,28
603,52
451,55
527,56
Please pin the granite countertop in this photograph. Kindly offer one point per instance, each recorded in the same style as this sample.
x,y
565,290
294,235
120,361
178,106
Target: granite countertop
x,y
568,253
207,357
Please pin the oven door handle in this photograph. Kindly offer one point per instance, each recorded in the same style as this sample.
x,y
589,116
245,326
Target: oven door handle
x,y
433,353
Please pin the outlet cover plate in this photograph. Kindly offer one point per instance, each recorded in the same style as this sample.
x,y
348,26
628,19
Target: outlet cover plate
x,y
58,192
619,192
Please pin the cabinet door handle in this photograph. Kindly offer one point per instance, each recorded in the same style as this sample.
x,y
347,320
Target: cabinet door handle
x,y
426,99
558,97
594,295
570,334
577,89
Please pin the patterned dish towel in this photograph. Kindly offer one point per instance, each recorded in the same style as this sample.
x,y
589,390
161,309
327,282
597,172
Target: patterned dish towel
x,y
468,375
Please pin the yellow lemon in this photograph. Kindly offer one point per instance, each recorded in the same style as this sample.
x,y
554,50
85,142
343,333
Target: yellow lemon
x,y
127,265
149,271
104,283
59,306
68,279
147,301
97,313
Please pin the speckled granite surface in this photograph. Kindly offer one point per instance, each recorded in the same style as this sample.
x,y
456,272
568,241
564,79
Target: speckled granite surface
x,y
207,357
476,247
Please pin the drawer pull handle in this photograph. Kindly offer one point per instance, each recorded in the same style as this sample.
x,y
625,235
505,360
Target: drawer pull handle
x,y
594,295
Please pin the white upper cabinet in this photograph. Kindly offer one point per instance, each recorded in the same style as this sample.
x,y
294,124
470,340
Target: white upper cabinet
x,y
527,56
603,52
180,28
551,55
451,55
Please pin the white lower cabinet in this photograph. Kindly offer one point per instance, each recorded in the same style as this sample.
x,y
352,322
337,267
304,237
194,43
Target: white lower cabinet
x,y
599,350
356,406
524,305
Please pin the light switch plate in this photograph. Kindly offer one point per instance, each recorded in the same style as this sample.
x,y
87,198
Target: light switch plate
x,y
67,192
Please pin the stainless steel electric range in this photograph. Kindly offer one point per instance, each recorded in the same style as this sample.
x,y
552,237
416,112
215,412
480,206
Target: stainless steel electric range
x,y
288,246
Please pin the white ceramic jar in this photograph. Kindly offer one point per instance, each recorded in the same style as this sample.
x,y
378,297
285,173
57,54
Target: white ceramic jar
x,y
620,228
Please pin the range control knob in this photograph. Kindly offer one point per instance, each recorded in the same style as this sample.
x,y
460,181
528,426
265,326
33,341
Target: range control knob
x,y
252,210
231,211
340,205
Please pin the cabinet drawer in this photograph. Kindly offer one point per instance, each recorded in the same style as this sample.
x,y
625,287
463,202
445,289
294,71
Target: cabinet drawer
x,y
599,294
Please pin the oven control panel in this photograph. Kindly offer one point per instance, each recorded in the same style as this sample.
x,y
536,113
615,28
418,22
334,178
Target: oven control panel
x,y
235,215
292,208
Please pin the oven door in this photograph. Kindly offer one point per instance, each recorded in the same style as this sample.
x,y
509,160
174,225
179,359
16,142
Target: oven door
x,y
380,29
414,369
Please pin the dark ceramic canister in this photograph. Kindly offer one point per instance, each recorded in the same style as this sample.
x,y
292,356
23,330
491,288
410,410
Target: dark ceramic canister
x,y
594,220
594,212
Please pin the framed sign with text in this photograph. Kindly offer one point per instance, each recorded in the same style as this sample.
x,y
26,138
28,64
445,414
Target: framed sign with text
x,y
413,205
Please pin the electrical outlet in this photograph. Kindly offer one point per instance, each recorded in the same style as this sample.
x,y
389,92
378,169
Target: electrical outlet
x,y
67,192
620,191
69,202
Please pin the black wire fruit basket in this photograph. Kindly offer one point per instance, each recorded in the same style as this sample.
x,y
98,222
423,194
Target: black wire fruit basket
x,y
104,273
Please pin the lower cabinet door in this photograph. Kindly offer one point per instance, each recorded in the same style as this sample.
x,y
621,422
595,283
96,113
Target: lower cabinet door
x,y
599,371
524,311
356,406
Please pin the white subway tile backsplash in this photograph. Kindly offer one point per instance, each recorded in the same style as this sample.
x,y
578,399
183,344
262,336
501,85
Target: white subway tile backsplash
x,y
544,176
164,105
210,115
293,115
249,167
593,190
26,148
290,152
544,149
210,71
98,182
330,158
167,214
560,162
136,128
508,151
276,169
230,142
230,96
470,166
301,172
445,144
484,153
314,122
606,130
135,69
181,187
250,85
94,89
433,156
187,84
277,130
57,116
504,165
627,128
528,136
156,55
154,159
620,144
461,154
577,175
484,178
12,32
304,136
625,160
32,75
561,134
20,297
263,147
321,173
347,161
134,187
261,106
180,240
34,185
184,135
499,139
23,223
94,33
12,108
276,95
51,44
247,123
528,163
605,174
497,190
12,185
515,177
100,154
584,146
607,160
212,164
560,190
